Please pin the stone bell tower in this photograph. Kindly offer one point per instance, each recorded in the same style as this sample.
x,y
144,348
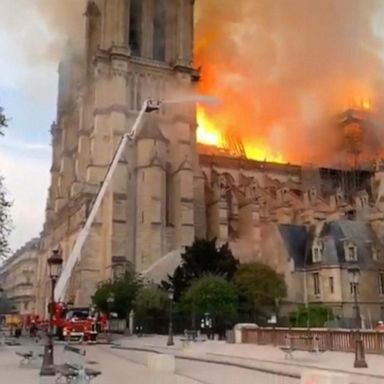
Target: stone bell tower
x,y
134,50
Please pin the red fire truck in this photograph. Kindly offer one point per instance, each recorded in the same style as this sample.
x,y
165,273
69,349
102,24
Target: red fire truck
x,y
77,324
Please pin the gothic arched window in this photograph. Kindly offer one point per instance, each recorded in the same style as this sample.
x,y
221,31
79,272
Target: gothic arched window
x,y
135,26
168,195
159,30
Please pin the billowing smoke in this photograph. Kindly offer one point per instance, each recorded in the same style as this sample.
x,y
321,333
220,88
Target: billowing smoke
x,y
63,20
283,67
33,34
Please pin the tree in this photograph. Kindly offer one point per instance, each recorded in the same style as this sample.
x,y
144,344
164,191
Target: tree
x,y
214,295
123,290
259,286
5,205
3,121
313,316
201,258
150,301
150,305
5,305
5,221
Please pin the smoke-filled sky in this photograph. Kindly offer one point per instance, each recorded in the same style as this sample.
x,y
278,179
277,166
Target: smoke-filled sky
x,y
282,66
32,34
278,66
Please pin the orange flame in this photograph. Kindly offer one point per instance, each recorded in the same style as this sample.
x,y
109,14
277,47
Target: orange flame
x,y
210,134
207,133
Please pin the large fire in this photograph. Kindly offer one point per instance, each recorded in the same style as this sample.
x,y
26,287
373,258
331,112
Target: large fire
x,y
284,72
209,133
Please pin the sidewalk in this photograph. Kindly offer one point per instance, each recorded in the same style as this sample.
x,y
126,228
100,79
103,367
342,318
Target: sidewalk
x,y
114,368
267,356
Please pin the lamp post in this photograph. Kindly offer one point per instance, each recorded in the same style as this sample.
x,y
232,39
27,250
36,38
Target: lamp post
x,y
277,309
1,305
110,301
354,276
170,324
55,263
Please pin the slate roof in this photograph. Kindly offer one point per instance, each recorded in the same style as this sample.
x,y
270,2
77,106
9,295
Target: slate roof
x,y
359,232
299,242
295,238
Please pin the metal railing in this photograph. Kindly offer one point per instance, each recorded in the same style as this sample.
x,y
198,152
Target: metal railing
x,y
340,340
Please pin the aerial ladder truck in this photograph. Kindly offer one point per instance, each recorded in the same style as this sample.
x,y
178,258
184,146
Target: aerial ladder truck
x,y
68,323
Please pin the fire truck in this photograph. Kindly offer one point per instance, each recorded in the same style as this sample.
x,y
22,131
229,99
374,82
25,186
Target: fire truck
x,y
85,323
77,323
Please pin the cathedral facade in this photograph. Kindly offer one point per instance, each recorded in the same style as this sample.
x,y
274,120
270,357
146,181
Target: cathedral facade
x,y
307,223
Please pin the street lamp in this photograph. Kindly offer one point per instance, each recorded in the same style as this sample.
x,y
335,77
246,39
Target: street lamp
x,y
55,263
110,301
354,276
1,299
277,309
170,325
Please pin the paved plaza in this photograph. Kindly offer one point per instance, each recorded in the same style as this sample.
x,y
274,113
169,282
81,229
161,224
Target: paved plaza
x,y
115,368
267,357
210,362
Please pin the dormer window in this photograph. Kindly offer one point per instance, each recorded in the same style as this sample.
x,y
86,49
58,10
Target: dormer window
x,y
312,194
350,251
317,251
375,253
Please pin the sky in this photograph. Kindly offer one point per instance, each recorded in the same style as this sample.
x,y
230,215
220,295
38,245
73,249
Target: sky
x,y
33,34
28,90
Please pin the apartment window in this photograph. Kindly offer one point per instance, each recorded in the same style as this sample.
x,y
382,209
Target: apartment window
x,y
316,284
381,283
331,285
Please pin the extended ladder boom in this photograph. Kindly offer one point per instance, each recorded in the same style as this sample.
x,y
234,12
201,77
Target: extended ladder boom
x,y
73,258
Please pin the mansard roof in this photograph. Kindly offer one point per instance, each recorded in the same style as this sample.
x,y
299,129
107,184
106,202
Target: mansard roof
x,y
295,238
299,241
335,233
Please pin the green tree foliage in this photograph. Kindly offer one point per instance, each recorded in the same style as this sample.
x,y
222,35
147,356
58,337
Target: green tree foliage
x,y
5,205
3,121
150,301
313,316
259,286
150,305
5,221
123,290
5,305
201,258
214,295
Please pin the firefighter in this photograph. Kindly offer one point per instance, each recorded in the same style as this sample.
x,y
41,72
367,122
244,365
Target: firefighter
x,y
380,326
33,329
